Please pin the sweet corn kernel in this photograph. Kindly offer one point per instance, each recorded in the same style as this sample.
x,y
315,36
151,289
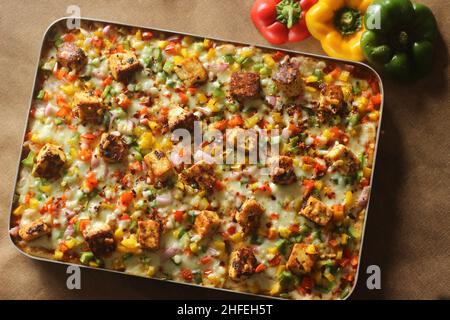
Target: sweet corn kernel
x,y
34,203
310,89
344,76
367,172
146,140
68,89
219,245
70,243
211,54
374,115
118,234
328,78
311,249
348,199
268,60
284,232
162,44
45,188
201,98
58,255
194,247
151,271
311,79
237,237
19,210
344,238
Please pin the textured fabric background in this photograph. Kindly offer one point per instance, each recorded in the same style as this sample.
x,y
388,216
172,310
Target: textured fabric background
x,y
408,228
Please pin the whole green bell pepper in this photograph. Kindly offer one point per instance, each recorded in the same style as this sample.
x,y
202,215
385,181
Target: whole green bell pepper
x,y
399,37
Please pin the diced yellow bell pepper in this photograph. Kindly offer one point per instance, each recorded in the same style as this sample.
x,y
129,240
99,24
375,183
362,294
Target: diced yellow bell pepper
x,y
138,35
46,188
367,172
277,117
211,54
252,121
311,79
93,264
70,243
146,141
329,276
310,89
58,255
348,199
68,89
34,203
118,234
276,288
268,60
318,185
344,238
328,79
344,76
184,53
151,271
284,232
219,245
130,243
374,115
19,210
339,255
162,44
194,247
207,43
237,237
272,250
311,249
247,52
201,98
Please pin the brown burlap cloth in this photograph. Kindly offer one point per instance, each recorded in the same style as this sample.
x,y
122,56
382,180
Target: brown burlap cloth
x,y
408,230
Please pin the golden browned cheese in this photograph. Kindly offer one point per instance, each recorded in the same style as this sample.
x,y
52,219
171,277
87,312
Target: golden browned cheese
x,y
206,223
191,71
149,234
316,211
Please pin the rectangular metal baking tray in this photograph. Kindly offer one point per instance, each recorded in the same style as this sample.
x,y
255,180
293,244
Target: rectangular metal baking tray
x,y
82,20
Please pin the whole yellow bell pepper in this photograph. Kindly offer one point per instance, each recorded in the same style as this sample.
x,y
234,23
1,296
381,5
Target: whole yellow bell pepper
x,y
338,25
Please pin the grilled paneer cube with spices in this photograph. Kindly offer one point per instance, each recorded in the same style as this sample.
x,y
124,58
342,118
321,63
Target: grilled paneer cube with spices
x,y
245,85
149,234
249,216
34,230
123,64
242,263
317,211
159,165
71,56
331,99
180,118
299,260
191,72
49,162
288,79
100,239
342,159
282,171
200,175
88,107
112,147
206,223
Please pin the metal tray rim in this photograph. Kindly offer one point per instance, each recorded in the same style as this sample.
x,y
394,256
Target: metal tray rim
x,y
319,56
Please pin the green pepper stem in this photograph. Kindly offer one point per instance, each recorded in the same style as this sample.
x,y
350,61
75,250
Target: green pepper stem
x,y
288,12
348,20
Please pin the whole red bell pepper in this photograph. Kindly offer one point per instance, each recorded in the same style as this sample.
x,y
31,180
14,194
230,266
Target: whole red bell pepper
x,y
281,21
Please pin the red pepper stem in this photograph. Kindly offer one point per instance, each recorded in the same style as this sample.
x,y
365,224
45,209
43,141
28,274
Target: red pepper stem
x,y
288,12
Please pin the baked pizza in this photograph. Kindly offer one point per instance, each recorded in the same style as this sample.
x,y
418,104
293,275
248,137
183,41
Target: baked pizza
x,y
113,174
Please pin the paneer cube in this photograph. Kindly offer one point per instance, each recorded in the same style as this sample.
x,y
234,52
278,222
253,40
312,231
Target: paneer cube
x,y
245,85
317,211
191,71
200,175
34,230
123,64
149,234
242,263
342,159
282,171
288,79
159,165
88,107
100,239
206,223
49,162
249,216
179,118
331,99
71,56
300,261
112,147
242,140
